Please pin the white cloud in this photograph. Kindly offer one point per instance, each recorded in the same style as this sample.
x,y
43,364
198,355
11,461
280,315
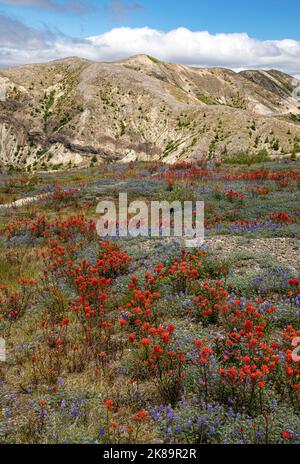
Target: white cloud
x,y
237,50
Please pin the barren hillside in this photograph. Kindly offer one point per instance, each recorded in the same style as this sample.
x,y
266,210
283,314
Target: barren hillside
x,y
74,112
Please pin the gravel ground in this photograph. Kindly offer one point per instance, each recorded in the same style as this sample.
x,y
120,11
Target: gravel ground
x,y
285,250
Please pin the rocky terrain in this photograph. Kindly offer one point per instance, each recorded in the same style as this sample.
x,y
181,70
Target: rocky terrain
x,y
75,112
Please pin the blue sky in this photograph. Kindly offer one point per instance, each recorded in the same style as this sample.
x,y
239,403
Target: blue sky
x,y
261,33
261,19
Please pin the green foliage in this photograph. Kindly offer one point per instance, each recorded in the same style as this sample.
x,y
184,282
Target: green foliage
x,y
295,117
245,158
208,99
180,192
47,104
155,60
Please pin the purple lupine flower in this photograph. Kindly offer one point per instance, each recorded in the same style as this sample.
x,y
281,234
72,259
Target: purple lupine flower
x,y
170,415
259,435
122,370
74,410
202,421
155,414
274,403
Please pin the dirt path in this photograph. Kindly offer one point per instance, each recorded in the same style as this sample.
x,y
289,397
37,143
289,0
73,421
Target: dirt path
x,y
2,350
24,201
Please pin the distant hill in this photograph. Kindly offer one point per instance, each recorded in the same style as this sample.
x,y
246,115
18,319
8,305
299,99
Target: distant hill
x,y
74,112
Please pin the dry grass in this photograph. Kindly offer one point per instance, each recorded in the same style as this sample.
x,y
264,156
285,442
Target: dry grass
x,y
18,262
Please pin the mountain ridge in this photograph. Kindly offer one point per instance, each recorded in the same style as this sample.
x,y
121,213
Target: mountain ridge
x,y
74,111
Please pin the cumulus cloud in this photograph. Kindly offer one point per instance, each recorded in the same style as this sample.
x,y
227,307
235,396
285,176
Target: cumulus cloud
x,y
181,45
72,6
236,51
119,9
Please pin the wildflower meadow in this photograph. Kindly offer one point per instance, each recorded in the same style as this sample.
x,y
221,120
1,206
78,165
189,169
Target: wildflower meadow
x,y
128,340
